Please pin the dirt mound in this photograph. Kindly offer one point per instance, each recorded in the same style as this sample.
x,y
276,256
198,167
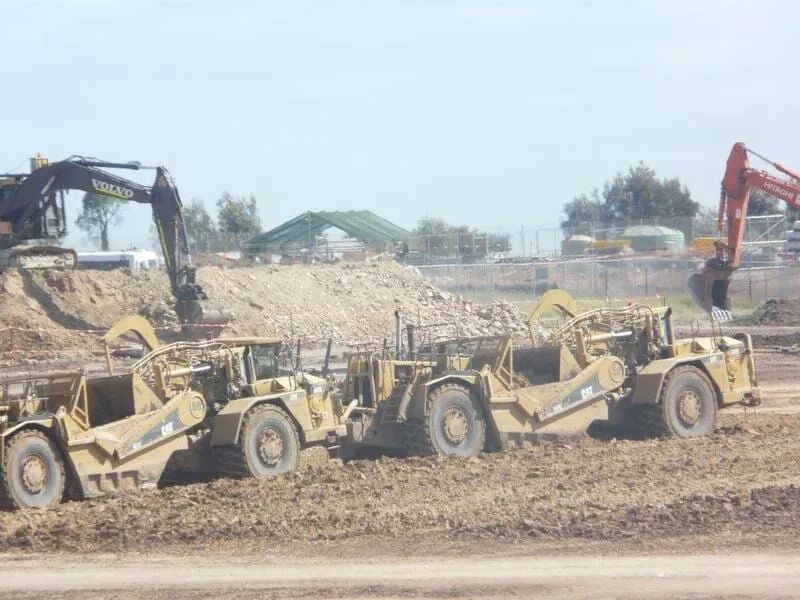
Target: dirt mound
x,y
54,311
739,480
778,311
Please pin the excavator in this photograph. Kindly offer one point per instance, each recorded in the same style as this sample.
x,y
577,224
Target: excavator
x,y
32,210
710,287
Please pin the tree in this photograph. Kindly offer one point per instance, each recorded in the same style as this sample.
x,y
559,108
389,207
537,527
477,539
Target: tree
x,y
583,211
439,238
237,218
99,213
634,196
200,227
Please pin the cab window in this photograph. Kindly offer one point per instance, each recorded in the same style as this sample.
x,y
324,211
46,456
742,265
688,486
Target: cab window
x,y
265,362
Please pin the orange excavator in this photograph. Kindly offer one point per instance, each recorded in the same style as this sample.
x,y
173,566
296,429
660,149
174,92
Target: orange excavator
x,y
710,286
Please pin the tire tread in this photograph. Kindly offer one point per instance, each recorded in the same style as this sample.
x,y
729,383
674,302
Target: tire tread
x,y
231,459
6,497
417,435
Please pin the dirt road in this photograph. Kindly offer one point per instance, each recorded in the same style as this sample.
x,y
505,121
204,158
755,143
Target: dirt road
x,y
654,576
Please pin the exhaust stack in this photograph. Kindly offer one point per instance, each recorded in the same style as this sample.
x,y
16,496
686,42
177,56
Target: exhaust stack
x,y
398,342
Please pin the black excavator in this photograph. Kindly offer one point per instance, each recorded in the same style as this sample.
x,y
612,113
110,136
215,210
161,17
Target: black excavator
x,y
32,210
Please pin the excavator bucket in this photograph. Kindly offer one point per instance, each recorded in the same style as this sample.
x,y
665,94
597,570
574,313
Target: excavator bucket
x,y
709,288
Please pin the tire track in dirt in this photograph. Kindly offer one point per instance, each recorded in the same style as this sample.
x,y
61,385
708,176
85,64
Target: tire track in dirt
x,y
745,478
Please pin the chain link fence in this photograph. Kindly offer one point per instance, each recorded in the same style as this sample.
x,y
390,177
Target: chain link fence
x,y
536,263
613,279
760,228
765,233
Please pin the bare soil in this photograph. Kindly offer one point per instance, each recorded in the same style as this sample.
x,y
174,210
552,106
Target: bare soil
x,y
778,311
48,314
737,490
744,479
772,575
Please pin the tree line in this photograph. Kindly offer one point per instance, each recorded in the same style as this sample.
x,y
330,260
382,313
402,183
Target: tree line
x,y
236,221
639,195
439,238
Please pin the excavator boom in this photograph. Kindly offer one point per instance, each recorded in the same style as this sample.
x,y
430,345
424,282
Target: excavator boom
x,y
31,208
710,286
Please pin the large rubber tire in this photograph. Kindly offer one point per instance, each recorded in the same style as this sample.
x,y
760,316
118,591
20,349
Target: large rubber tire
x,y
687,406
268,445
455,425
33,472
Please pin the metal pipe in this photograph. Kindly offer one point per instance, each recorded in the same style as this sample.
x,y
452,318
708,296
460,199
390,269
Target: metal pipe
x,y
182,371
397,333
88,162
326,364
604,337
410,330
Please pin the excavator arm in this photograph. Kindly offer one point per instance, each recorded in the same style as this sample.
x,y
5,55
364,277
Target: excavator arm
x,y
710,287
33,212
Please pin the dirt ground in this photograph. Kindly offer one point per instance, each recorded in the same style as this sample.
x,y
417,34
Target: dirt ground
x,y
618,518
778,311
741,483
51,315
772,575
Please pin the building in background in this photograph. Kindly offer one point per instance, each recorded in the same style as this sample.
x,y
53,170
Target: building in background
x,y
308,235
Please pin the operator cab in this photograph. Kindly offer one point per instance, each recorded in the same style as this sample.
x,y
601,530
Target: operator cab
x,y
265,364
265,361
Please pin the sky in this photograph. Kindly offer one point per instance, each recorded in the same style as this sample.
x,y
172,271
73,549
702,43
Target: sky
x,y
486,113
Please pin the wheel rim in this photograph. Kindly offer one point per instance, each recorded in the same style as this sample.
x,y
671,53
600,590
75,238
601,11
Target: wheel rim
x,y
690,407
270,447
34,474
455,425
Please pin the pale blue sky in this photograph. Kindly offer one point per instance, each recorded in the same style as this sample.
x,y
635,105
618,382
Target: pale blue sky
x,y
488,113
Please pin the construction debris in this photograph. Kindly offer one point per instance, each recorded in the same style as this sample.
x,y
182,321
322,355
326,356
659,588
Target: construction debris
x,y
51,312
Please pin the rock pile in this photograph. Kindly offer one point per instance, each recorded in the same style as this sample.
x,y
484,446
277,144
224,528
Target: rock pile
x,y
350,302
778,311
